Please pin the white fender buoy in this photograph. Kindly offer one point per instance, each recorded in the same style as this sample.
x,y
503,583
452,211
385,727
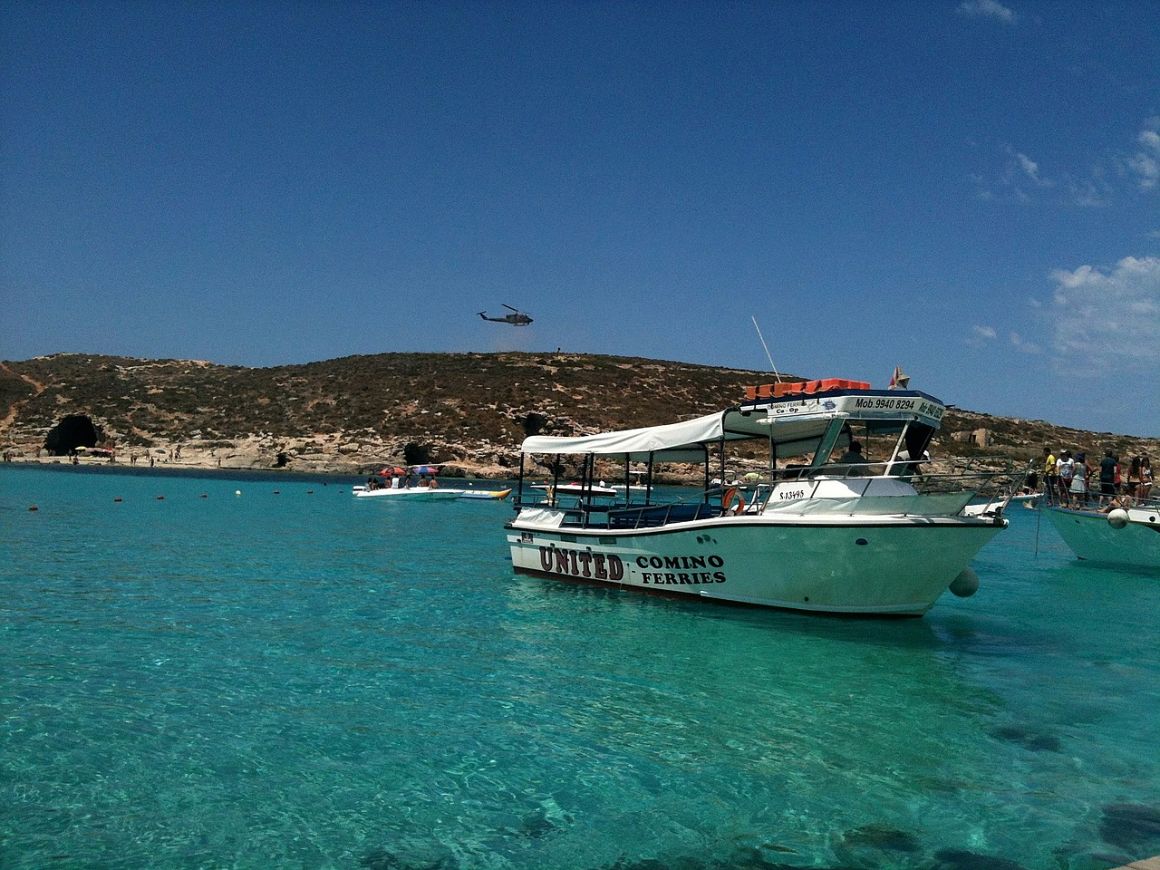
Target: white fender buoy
x,y
1118,518
237,492
966,584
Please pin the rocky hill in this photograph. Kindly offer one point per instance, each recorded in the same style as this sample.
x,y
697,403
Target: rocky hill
x,y
355,413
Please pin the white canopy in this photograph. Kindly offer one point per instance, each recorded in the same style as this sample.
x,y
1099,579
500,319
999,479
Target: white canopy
x,y
680,442
797,424
685,441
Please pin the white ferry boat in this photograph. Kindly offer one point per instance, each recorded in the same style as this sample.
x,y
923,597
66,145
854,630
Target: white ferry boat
x,y
825,535
1122,536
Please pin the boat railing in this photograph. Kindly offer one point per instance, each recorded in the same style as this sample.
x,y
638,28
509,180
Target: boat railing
x,y
930,493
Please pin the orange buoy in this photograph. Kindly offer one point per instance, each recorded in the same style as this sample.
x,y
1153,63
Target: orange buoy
x,y
732,495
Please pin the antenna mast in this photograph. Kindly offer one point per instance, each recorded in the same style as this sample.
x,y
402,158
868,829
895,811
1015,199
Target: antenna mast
x,y
767,356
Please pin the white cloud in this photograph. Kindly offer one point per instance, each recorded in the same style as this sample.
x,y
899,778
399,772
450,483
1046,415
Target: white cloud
x,y
1024,346
1030,167
986,9
1021,168
987,332
1091,193
1101,184
1145,163
1106,320
1018,179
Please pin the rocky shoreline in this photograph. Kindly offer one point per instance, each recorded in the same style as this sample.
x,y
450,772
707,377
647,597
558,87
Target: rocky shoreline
x,y
254,456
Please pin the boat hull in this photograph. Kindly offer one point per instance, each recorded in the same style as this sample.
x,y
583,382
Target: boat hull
x,y
1092,538
895,566
416,494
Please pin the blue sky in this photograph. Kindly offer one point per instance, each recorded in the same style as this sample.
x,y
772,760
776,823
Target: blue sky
x,y
968,189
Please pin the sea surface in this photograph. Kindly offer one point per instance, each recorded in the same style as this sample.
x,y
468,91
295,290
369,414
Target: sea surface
x,y
267,672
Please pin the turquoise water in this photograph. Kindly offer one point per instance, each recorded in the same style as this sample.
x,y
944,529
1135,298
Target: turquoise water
x,y
292,677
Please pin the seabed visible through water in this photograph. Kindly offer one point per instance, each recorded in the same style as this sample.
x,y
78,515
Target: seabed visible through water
x,y
292,677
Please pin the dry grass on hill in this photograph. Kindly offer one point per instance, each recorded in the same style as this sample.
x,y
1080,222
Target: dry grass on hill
x,y
350,413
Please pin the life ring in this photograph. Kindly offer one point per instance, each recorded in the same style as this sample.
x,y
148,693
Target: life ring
x,y
730,495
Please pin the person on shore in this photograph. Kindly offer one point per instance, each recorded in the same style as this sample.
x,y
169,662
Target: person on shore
x,y
1050,476
1079,481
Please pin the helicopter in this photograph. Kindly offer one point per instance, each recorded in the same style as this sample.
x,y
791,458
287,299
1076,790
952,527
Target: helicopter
x,y
516,318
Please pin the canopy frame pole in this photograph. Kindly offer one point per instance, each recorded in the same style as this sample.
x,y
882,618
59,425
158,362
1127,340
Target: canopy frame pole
x,y
520,490
627,483
772,456
721,447
898,446
648,483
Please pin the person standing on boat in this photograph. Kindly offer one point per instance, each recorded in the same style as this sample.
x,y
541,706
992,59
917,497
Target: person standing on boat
x,y
1079,481
1145,477
1108,467
1050,476
1065,469
1132,487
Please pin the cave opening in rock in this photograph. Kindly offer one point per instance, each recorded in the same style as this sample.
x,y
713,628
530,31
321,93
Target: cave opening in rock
x,y
75,430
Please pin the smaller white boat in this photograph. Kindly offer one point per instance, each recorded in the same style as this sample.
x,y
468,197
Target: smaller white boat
x,y
1122,536
638,486
418,493
577,489
397,483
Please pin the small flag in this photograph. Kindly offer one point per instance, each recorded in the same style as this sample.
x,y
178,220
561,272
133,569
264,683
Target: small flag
x,y
898,380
